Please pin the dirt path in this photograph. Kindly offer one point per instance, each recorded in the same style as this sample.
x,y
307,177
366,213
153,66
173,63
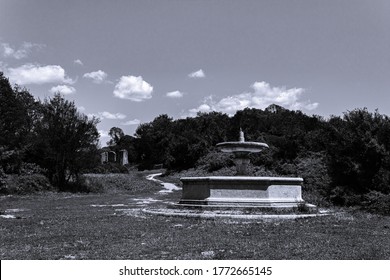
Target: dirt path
x,y
168,187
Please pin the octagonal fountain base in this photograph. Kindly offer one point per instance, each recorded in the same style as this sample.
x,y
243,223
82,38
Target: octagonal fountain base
x,y
278,193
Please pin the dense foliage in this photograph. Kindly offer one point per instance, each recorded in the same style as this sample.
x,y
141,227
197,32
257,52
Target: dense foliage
x,y
67,140
18,117
344,160
49,138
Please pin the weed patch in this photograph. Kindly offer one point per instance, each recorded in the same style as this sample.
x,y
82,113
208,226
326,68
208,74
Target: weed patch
x,y
25,184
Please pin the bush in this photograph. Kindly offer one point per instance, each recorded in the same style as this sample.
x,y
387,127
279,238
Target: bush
x,y
377,202
262,171
110,167
30,168
214,161
10,159
3,177
288,169
25,184
313,169
87,184
343,196
133,183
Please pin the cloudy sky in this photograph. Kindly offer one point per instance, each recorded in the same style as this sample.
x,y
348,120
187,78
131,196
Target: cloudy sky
x,y
129,61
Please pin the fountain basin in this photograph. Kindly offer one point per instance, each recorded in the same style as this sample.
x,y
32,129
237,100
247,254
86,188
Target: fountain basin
x,y
242,191
242,147
241,151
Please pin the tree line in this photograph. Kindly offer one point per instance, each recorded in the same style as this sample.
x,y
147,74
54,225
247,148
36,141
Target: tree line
x,y
344,158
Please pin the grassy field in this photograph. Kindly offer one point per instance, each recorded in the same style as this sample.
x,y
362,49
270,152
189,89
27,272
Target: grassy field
x,y
112,226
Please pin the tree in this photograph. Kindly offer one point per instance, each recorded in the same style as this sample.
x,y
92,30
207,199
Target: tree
x,y
18,117
119,141
66,139
358,151
153,140
116,135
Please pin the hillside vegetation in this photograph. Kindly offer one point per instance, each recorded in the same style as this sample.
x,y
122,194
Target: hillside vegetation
x,y
345,160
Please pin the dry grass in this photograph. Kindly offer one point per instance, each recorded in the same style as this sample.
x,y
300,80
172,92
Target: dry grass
x,y
78,226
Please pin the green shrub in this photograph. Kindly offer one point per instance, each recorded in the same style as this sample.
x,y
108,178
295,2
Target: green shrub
x,y
313,169
262,171
85,184
110,167
3,177
28,168
377,202
25,184
214,161
288,169
343,196
133,183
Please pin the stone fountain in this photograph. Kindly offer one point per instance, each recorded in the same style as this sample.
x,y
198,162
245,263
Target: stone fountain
x,y
241,151
241,190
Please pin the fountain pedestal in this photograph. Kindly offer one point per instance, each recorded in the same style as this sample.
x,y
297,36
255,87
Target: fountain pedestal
x,y
242,191
241,166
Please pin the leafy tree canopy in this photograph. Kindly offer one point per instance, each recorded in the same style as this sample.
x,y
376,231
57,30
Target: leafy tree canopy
x,y
66,139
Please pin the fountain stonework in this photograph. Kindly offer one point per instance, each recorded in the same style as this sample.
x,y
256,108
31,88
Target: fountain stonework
x,y
241,190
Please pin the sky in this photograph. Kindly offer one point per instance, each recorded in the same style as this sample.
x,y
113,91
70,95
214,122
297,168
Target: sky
x,y
127,62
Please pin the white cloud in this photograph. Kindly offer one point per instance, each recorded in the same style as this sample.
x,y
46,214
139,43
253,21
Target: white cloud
x,y
197,74
63,89
7,50
103,134
92,115
81,108
78,61
175,94
111,116
133,88
3,66
107,115
20,53
132,122
262,96
36,74
204,108
97,76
